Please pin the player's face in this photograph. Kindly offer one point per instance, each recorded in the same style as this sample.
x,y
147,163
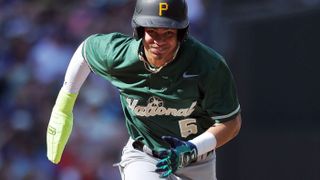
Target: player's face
x,y
160,45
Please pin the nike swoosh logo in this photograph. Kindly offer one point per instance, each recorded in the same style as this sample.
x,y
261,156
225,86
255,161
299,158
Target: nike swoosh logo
x,y
185,75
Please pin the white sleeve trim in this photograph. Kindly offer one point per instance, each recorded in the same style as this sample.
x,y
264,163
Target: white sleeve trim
x,y
227,115
77,72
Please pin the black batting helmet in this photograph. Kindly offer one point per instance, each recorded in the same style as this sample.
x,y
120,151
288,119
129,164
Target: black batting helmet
x,y
160,14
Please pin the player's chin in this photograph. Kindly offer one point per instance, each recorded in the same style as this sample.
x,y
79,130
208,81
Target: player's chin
x,y
157,54
158,57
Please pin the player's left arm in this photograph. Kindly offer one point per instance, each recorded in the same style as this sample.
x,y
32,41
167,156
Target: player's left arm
x,y
225,131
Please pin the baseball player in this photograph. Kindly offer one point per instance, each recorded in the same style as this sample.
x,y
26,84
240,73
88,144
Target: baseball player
x,y
178,95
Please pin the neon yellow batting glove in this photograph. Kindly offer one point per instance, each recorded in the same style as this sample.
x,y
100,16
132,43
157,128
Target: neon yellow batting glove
x,y
60,125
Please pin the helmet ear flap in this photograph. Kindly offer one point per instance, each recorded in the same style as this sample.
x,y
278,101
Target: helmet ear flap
x,y
138,32
183,34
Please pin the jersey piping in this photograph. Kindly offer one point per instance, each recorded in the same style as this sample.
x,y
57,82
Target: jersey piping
x,y
227,115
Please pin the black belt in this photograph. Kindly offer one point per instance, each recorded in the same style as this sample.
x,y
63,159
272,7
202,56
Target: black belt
x,y
138,145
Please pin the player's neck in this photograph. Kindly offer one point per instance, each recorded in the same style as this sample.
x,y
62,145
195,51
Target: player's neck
x,y
160,62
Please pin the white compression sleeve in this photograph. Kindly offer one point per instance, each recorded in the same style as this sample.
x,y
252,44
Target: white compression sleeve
x,y
77,72
205,142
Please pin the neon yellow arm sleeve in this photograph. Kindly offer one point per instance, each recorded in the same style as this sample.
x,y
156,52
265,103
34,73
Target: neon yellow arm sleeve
x,y
60,125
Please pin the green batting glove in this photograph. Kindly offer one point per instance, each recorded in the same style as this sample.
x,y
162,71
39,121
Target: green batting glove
x,y
179,155
60,125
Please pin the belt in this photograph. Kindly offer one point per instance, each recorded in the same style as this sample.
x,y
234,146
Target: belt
x,y
205,156
138,145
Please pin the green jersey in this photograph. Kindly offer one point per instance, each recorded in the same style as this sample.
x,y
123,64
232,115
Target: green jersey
x,y
182,100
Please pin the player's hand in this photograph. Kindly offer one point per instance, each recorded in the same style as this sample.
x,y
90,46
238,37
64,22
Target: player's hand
x,y
180,154
60,126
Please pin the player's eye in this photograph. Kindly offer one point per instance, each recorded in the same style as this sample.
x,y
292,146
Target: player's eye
x,y
151,32
169,34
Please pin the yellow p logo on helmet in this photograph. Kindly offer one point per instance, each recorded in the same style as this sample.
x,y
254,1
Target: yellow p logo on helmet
x,y
163,7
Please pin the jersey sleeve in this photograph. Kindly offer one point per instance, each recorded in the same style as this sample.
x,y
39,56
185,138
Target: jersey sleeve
x,y
220,96
95,53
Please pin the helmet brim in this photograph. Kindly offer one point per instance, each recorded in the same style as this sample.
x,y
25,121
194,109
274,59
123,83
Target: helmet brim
x,y
159,22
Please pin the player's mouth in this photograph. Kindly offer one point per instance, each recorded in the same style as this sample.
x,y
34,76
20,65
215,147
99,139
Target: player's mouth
x,y
158,50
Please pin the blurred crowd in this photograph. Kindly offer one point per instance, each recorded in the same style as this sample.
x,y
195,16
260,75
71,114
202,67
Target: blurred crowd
x,y
37,41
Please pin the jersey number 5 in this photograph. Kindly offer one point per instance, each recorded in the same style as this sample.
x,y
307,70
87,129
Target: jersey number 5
x,y
187,127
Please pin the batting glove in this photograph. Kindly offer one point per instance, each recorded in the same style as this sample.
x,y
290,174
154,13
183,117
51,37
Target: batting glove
x,y
180,154
60,125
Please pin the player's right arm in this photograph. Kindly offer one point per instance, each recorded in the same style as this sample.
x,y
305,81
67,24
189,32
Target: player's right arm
x,y
61,120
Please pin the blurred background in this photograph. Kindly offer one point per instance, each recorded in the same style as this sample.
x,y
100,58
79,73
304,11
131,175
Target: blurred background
x,y
271,46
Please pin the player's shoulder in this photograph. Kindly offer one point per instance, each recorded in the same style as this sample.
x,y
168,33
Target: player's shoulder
x,y
113,38
109,50
111,44
202,55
